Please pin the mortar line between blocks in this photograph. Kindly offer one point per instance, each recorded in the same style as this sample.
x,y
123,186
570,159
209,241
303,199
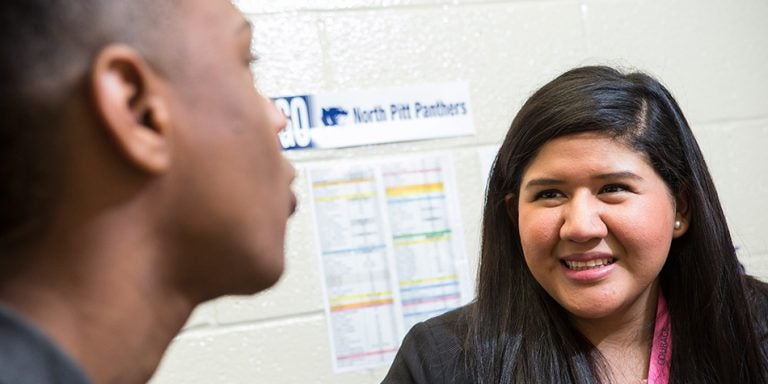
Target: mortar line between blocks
x,y
221,328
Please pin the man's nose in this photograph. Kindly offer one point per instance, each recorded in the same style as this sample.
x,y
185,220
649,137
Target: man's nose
x,y
275,117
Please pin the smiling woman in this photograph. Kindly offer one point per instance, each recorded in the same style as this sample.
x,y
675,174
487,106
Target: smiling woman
x,y
606,257
596,223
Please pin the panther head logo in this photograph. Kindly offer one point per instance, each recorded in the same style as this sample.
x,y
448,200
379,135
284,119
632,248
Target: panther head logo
x,y
332,116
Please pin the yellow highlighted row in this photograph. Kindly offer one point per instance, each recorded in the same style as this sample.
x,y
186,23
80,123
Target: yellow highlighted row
x,y
421,241
414,189
428,280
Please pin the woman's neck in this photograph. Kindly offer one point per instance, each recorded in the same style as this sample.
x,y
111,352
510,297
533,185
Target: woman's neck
x,y
624,339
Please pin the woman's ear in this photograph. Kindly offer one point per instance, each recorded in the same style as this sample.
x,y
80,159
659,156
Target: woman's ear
x,y
682,215
510,201
134,114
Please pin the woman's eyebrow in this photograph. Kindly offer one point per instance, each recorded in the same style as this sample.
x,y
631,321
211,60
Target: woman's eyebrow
x,y
618,175
552,182
543,182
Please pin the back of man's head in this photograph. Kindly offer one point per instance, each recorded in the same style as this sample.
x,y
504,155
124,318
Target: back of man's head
x,y
46,50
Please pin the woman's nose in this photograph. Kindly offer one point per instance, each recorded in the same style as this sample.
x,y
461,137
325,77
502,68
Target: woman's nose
x,y
582,220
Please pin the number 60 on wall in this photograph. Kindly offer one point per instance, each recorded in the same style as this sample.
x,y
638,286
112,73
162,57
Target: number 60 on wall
x,y
296,132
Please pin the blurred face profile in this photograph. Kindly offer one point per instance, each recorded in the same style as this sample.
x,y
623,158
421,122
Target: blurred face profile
x,y
596,223
233,197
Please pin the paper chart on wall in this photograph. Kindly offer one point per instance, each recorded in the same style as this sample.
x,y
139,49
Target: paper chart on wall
x,y
391,251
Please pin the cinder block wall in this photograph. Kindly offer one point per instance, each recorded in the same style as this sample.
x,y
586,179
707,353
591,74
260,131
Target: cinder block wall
x,y
713,55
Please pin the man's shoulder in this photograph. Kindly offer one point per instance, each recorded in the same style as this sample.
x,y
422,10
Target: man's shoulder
x,y
27,356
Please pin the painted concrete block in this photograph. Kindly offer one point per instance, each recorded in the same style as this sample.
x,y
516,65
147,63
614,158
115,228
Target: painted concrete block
x,y
285,352
736,155
711,54
290,54
203,316
267,6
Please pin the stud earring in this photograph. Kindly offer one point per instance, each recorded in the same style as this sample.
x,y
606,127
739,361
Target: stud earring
x,y
678,224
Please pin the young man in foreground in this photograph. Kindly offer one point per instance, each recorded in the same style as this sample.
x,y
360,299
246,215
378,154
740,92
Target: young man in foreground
x,y
141,175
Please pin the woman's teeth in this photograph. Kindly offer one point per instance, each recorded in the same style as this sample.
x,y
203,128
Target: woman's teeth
x,y
582,265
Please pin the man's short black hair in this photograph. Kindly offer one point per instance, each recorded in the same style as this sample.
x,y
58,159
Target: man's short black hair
x,y
46,49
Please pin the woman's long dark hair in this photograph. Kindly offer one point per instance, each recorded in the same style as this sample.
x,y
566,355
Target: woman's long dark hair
x,y
519,334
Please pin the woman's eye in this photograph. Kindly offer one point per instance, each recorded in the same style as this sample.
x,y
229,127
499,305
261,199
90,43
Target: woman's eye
x,y
613,188
548,194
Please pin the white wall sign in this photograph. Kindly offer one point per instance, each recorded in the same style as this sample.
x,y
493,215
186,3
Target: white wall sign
x,y
352,118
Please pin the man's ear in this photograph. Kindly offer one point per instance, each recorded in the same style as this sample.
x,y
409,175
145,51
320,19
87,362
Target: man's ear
x,y
682,215
126,93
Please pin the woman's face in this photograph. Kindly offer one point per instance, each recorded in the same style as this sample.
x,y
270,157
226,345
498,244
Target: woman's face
x,y
596,223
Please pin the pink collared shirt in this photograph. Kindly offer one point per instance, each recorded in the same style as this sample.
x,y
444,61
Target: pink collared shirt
x,y
661,349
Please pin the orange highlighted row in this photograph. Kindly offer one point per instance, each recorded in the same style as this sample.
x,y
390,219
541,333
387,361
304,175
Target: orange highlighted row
x,y
364,304
406,190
